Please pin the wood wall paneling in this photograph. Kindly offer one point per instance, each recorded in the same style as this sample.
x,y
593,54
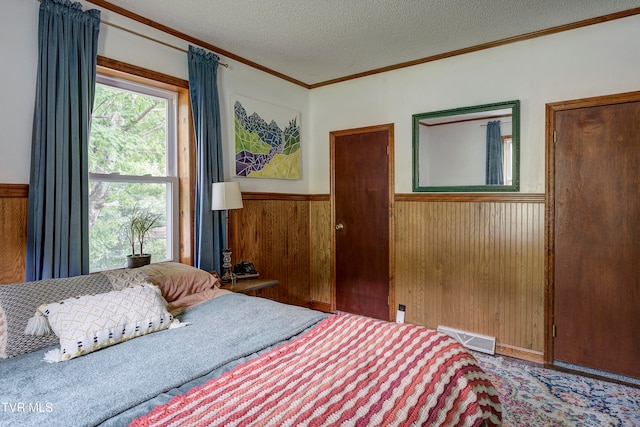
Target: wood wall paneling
x,y
14,205
274,235
473,263
320,256
473,266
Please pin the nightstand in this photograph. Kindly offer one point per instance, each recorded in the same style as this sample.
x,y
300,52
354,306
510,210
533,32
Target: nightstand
x,y
249,285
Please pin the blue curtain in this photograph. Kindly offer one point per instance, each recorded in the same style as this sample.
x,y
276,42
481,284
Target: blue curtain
x,y
57,228
495,175
209,225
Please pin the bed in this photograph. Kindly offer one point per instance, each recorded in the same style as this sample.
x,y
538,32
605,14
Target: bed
x,y
212,357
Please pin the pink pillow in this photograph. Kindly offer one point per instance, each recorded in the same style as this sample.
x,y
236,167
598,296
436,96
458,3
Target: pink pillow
x,y
180,305
177,280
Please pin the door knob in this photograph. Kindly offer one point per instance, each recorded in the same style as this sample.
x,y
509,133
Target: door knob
x,y
339,227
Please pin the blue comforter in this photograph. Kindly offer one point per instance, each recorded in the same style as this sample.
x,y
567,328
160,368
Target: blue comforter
x,y
114,385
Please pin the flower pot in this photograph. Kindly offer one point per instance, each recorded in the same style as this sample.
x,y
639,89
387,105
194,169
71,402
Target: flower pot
x,y
135,261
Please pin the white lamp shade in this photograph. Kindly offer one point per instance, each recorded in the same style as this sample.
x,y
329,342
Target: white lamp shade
x,y
225,196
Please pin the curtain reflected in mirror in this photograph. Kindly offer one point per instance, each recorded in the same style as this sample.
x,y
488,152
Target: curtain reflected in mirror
x,y
467,149
495,155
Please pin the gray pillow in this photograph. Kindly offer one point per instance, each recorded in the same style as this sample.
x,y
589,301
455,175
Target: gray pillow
x,y
19,302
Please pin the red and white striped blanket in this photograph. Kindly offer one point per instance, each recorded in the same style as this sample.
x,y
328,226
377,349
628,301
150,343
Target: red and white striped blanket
x,y
348,370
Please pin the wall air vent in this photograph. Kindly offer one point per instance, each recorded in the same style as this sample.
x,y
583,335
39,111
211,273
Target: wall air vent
x,y
471,340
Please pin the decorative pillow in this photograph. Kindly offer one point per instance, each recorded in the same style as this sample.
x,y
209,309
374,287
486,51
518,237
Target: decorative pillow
x,y
178,306
125,277
19,301
177,280
91,322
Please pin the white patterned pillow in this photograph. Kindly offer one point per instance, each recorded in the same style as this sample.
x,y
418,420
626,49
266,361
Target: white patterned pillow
x,y
91,322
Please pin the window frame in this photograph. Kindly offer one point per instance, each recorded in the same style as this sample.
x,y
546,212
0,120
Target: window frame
x,y
507,160
185,157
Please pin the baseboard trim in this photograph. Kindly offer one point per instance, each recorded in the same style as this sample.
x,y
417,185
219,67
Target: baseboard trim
x,y
559,365
321,306
520,353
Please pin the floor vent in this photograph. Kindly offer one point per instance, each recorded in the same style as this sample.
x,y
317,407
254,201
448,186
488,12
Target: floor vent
x,y
471,340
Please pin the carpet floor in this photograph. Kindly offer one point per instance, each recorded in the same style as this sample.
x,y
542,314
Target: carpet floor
x,y
532,395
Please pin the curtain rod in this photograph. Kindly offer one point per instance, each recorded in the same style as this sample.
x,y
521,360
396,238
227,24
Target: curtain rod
x,y
144,36
149,38
484,125
466,120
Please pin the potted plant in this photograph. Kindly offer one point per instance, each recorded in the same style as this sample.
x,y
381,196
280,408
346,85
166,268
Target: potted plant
x,y
137,229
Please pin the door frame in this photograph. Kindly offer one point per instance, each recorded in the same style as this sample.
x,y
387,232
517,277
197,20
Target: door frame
x,y
389,128
549,286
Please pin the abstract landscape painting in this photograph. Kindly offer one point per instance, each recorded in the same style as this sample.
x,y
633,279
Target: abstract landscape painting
x,y
267,140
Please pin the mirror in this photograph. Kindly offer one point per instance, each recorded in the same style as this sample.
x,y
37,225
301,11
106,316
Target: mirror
x,y
467,149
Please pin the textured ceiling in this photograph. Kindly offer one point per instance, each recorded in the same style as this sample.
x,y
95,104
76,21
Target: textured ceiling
x,y
315,41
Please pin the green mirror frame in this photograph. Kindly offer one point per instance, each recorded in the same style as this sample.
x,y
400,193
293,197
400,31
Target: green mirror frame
x,y
473,111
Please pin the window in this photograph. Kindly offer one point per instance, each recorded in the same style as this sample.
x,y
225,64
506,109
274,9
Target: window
x,y
507,155
132,166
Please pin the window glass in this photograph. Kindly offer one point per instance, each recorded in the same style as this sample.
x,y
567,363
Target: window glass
x,y
128,132
131,168
507,150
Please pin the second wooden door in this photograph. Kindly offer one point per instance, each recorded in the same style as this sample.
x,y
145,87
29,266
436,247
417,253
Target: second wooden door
x,y
361,195
596,192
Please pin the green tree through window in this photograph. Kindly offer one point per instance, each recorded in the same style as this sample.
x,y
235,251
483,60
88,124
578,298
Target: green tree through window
x,y
131,165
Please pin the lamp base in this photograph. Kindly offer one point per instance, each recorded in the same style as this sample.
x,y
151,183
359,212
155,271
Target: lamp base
x,y
227,276
226,264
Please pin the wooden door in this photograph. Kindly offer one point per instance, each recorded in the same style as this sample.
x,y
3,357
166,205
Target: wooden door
x,y
362,199
596,233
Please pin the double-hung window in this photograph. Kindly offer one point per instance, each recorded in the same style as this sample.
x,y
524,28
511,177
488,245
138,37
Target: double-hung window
x,y
507,159
132,167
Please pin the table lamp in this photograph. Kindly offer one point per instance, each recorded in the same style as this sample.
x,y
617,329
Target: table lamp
x,y
225,196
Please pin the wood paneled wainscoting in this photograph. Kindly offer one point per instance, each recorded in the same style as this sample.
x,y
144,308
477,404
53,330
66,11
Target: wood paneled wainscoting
x,y
287,237
14,206
274,231
469,261
474,262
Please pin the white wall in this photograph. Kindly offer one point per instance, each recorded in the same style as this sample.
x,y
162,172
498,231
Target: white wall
x,y
18,53
591,61
596,60
18,50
